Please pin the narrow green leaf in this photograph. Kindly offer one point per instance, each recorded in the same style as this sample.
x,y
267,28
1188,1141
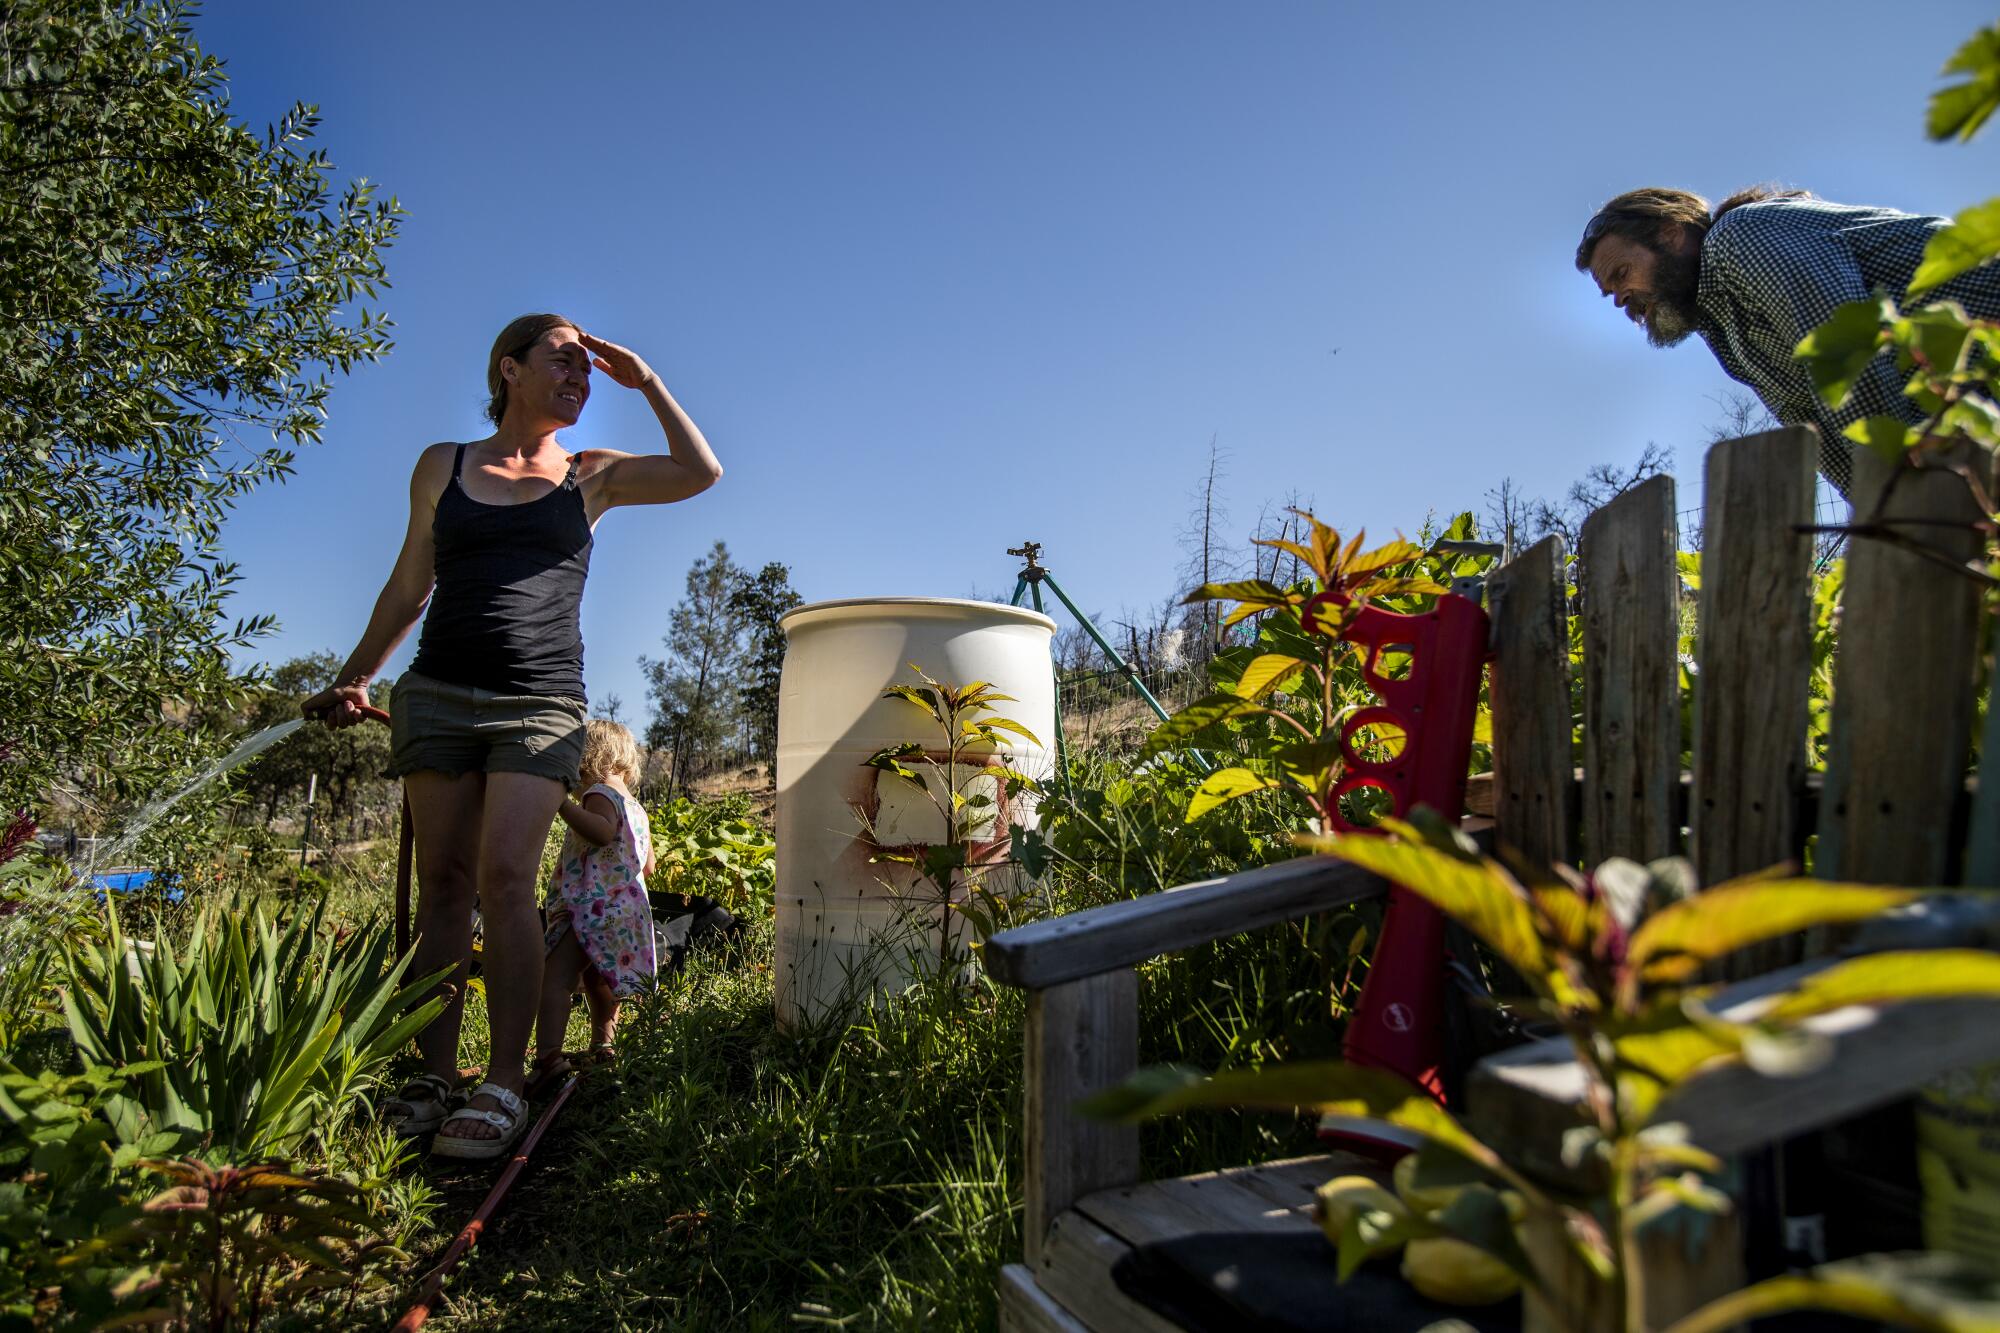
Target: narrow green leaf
x,y
1887,978
1478,893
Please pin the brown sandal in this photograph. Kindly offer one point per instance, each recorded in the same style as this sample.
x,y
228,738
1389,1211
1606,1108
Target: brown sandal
x,y
547,1069
596,1057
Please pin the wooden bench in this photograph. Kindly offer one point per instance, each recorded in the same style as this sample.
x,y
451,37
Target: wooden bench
x,y
1884,813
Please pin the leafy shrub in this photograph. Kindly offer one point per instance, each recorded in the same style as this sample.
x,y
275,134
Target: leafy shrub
x,y
62,1154
716,849
259,1037
43,910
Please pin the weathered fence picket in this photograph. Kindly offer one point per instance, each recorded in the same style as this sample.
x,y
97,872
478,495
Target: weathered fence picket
x,y
1529,695
1908,639
1754,644
1630,590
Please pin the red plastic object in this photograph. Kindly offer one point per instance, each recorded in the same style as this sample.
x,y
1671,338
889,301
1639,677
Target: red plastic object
x,y
1399,1024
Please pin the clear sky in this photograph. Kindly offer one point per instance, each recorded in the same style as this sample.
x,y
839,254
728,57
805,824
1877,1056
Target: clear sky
x,y
935,278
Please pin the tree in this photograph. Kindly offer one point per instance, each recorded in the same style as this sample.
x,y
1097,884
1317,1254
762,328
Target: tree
x,y
762,601
1205,560
693,689
173,287
351,764
1520,521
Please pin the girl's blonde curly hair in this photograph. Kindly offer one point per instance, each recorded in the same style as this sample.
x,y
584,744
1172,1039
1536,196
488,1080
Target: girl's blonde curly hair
x,y
608,748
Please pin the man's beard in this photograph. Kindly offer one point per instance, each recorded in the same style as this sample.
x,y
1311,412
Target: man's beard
x,y
1673,313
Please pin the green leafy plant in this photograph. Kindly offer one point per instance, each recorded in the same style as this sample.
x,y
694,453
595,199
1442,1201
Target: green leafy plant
x,y
63,1182
1614,961
175,286
260,1037
963,775
228,1244
715,848
43,909
1281,698
1950,361
1123,828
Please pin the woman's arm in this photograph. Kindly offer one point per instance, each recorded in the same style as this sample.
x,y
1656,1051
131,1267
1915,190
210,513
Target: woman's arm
x,y
687,468
400,603
595,821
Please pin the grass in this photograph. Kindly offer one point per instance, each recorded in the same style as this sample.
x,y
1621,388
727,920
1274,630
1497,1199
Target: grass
x,y
862,1175
865,1175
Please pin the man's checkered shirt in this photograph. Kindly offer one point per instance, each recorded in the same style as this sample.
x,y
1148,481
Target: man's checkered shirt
x,y
1771,272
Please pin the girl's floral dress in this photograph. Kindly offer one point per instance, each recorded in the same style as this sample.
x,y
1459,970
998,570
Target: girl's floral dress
x,y
601,891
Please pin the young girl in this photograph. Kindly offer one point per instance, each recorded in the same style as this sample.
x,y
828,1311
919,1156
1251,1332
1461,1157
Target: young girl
x,y
600,924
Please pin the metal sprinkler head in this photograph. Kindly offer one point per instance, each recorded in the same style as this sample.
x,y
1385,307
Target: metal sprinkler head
x,y
1031,552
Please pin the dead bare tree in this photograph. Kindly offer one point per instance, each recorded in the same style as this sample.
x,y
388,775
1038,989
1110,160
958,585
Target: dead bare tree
x,y
1531,519
1206,561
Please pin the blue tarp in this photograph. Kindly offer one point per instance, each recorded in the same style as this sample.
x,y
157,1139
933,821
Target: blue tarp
x,y
137,881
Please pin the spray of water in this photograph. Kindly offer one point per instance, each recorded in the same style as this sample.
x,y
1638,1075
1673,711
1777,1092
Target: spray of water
x,y
120,847
26,929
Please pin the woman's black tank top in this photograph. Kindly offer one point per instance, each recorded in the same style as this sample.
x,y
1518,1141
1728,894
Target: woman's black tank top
x,y
510,578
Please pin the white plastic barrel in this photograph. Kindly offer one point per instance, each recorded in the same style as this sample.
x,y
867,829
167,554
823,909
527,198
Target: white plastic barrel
x,y
848,928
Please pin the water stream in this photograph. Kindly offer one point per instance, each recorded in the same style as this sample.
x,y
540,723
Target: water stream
x,y
112,854
24,929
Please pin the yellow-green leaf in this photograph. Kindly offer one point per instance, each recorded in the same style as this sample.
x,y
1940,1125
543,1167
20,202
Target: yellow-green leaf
x,y
1266,672
1416,586
1676,940
1398,552
1887,978
1310,558
1479,894
1224,785
1329,1087
1255,591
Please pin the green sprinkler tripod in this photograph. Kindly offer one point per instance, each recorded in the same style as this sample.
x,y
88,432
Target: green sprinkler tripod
x,y
1029,584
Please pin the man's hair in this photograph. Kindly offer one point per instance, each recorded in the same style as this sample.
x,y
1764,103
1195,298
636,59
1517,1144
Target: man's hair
x,y
1645,215
514,341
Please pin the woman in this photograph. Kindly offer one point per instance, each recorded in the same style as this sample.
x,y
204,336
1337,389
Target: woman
x,y
489,720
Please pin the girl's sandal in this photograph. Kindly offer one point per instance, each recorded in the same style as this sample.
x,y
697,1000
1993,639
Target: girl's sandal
x,y
549,1069
597,1056
419,1106
510,1120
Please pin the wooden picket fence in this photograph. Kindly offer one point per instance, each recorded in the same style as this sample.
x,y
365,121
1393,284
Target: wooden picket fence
x,y
1891,807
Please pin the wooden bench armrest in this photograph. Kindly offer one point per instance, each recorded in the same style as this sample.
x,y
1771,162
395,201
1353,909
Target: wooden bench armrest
x,y
1103,939
1523,1099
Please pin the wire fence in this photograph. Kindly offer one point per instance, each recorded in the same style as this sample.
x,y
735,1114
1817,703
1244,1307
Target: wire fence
x,y
1100,708
1830,510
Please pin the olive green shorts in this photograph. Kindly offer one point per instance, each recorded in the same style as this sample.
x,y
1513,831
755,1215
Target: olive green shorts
x,y
458,729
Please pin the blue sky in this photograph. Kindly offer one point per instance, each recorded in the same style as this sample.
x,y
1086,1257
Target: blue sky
x,y
937,278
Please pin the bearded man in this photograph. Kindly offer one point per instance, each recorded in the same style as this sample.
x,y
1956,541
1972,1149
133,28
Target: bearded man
x,y
1759,273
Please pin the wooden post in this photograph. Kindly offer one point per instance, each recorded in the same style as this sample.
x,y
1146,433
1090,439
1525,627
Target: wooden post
x,y
1082,1037
1631,673
1909,632
1755,646
1532,766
